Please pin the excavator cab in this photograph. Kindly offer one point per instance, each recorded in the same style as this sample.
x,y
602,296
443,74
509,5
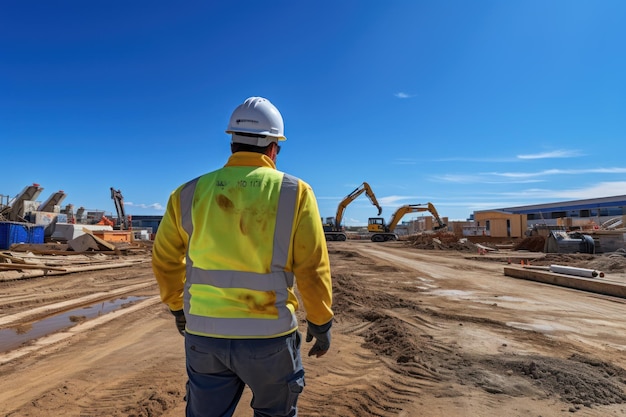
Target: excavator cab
x,y
376,224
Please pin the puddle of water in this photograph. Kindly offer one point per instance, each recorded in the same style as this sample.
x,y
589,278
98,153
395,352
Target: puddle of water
x,y
452,293
14,337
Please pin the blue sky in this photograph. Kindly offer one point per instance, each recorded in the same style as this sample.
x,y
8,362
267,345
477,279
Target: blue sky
x,y
470,105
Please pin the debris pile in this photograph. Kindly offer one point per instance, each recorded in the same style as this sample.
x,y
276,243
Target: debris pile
x,y
614,261
16,265
440,240
532,244
611,262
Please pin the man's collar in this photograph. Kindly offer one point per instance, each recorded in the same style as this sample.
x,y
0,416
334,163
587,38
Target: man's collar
x,y
254,159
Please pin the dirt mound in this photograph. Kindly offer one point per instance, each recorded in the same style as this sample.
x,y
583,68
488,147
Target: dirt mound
x,y
607,262
441,241
532,244
577,380
612,262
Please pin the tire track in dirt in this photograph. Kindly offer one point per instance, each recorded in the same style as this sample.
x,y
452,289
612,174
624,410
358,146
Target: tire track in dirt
x,y
132,397
394,377
152,353
42,291
366,378
362,380
49,341
48,309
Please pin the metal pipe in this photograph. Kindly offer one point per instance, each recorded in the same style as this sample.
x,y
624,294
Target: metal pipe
x,y
571,270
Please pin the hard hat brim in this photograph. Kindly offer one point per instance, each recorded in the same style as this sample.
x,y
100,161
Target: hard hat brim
x,y
252,140
257,132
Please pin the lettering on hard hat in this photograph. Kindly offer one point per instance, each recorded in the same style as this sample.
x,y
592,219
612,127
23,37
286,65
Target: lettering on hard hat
x,y
246,121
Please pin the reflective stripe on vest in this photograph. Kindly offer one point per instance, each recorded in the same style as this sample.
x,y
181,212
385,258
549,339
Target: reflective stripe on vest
x,y
277,281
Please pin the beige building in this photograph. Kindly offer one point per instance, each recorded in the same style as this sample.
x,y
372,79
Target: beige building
x,y
501,224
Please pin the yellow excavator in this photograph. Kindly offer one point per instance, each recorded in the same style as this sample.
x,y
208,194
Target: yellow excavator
x,y
332,227
382,231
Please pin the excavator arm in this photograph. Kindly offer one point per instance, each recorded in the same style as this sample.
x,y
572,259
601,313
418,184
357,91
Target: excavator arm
x,y
363,188
382,232
433,211
414,208
118,199
399,214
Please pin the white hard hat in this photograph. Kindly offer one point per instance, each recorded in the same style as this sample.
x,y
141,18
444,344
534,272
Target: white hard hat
x,y
256,116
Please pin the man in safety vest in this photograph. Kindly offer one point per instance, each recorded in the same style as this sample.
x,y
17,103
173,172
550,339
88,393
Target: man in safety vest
x,y
226,255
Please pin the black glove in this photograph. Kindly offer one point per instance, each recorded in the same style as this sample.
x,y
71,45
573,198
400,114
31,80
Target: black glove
x,y
181,321
322,338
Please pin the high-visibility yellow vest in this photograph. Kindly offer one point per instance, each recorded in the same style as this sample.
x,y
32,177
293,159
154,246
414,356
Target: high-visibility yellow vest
x,y
239,222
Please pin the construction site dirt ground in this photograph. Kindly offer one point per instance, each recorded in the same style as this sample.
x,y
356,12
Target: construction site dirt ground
x,y
418,332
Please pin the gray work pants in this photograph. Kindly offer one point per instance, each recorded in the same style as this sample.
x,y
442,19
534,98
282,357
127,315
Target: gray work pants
x,y
219,369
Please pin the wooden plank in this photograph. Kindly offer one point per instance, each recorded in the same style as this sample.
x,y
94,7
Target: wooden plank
x,y
38,247
13,259
101,242
30,266
596,285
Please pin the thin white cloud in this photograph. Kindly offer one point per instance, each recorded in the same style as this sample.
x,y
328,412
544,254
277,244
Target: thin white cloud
x,y
353,222
541,195
614,170
602,189
481,179
402,95
468,159
561,153
543,155
493,205
415,161
520,177
154,206
392,200
397,200
517,158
